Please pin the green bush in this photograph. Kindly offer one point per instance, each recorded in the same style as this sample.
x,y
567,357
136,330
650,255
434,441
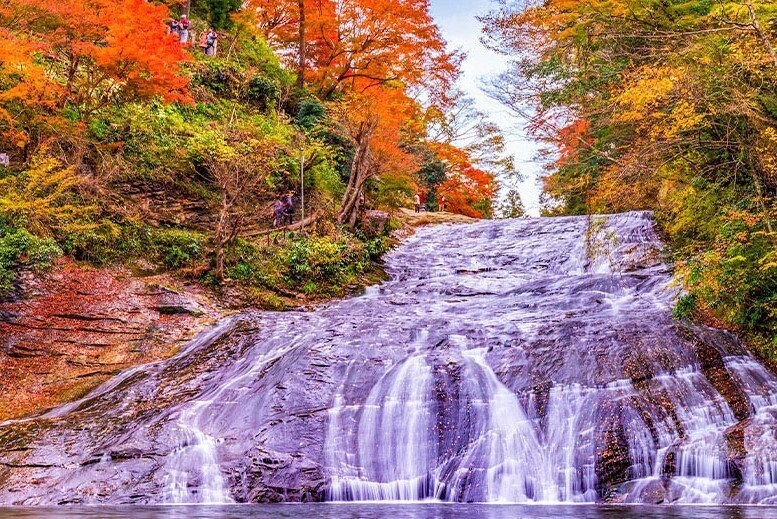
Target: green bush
x,y
317,266
318,259
685,307
21,249
735,280
311,112
222,78
178,248
263,92
110,242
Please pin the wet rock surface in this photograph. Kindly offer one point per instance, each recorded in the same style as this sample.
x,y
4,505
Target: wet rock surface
x,y
504,361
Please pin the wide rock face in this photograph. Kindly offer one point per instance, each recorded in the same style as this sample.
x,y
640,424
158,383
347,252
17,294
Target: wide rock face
x,y
526,360
65,332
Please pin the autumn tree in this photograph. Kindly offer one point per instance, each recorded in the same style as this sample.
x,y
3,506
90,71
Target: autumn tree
x,y
373,125
75,57
359,44
473,151
239,172
661,105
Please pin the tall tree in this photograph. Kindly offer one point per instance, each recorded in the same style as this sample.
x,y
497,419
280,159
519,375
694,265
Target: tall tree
x,y
373,124
81,57
666,105
359,44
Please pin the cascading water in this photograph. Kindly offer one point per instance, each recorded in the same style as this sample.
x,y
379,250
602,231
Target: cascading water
x,y
511,361
394,455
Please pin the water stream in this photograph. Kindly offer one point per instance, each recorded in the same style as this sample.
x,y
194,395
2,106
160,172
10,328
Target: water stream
x,y
525,361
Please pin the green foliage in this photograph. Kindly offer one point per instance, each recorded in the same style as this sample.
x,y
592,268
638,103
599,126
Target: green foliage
x,y
177,247
220,11
41,198
319,258
221,77
512,205
317,266
685,307
255,54
432,172
736,280
21,249
392,192
108,242
263,92
311,113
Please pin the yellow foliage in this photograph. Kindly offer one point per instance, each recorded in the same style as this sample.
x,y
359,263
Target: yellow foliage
x,y
683,117
42,198
648,87
766,146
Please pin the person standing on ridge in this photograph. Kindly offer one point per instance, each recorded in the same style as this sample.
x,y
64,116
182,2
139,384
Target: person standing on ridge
x,y
417,203
279,213
175,28
289,206
441,203
184,29
202,42
211,39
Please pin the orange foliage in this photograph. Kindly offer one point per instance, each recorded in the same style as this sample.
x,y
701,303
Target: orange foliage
x,y
57,54
390,112
571,139
361,44
467,186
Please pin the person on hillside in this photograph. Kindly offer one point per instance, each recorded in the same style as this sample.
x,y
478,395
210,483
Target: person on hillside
x,y
442,203
290,205
417,203
175,27
183,25
279,213
202,42
211,39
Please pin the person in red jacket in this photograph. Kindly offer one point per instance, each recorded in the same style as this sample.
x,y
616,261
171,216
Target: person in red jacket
x,y
183,29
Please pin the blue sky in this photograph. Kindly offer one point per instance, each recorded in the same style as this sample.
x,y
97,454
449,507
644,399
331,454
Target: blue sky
x,y
462,31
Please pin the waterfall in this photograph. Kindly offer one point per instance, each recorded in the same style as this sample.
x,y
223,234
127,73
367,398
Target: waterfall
x,y
520,361
193,474
515,466
393,448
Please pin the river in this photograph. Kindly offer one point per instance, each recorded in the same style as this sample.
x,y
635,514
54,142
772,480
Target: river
x,y
521,361
389,511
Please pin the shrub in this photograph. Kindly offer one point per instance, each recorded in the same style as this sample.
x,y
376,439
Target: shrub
x,y
19,249
315,265
736,280
42,197
263,92
178,248
111,242
317,258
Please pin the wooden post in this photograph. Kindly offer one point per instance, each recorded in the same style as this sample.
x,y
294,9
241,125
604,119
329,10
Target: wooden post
x,y
302,179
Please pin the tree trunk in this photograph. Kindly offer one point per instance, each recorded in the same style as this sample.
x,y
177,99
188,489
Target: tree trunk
x,y
221,238
362,168
302,47
761,33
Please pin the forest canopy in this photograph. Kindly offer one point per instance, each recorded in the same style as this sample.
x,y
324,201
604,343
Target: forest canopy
x,y
131,131
664,105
